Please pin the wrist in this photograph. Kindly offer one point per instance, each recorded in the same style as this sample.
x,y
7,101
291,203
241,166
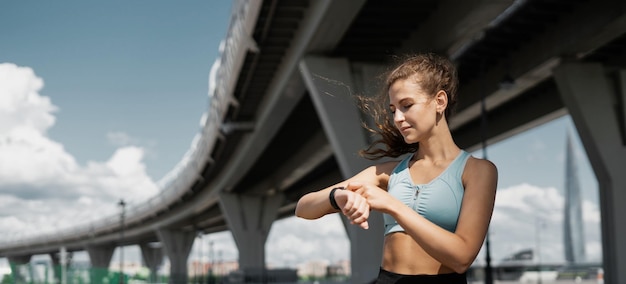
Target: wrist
x,y
331,197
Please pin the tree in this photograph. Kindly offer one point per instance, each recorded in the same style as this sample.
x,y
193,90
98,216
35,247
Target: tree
x,y
7,279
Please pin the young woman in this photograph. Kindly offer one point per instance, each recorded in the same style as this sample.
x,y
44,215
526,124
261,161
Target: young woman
x,y
437,201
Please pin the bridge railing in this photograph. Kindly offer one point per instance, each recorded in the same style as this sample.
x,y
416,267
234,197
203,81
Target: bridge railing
x,y
178,181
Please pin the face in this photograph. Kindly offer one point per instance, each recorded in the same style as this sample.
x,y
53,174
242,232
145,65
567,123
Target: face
x,y
414,111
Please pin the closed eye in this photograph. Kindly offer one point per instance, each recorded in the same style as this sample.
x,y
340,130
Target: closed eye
x,y
407,106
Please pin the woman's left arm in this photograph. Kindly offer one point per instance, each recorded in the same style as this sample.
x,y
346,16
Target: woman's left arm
x,y
459,249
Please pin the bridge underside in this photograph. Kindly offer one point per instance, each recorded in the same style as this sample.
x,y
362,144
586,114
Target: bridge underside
x,y
529,61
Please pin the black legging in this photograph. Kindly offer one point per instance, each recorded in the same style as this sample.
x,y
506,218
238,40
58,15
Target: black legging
x,y
386,277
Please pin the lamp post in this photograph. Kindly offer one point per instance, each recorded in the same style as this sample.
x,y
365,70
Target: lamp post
x,y
538,226
483,124
211,260
201,258
219,265
63,261
122,204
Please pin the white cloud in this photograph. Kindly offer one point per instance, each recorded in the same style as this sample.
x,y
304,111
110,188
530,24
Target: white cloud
x,y
119,138
529,217
291,241
21,106
42,187
295,240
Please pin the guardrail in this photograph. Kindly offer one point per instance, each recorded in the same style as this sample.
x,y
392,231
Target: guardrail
x,y
179,180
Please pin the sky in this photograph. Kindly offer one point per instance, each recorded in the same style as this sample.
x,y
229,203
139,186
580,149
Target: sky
x,y
100,100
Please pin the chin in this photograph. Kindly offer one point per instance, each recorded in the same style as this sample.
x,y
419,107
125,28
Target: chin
x,y
408,140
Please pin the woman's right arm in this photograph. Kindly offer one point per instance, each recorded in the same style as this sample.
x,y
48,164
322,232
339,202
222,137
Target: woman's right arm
x,y
316,204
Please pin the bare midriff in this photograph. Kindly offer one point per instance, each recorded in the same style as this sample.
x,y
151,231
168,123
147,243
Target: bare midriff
x,y
402,255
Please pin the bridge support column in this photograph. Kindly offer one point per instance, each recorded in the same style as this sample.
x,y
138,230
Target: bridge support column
x,y
330,82
177,245
596,100
152,257
100,258
249,219
20,268
58,264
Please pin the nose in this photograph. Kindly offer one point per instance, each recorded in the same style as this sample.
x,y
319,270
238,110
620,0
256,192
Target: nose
x,y
398,116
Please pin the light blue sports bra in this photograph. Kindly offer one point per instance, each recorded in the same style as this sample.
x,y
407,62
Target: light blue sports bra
x,y
438,201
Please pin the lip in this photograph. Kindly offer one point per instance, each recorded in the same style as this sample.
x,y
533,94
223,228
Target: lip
x,y
404,128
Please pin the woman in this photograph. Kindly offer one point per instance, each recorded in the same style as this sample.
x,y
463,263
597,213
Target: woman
x,y
437,201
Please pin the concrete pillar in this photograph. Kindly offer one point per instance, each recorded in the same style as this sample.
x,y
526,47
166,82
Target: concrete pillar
x,y
58,265
330,82
249,219
152,254
177,245
100,258
595,98
20,270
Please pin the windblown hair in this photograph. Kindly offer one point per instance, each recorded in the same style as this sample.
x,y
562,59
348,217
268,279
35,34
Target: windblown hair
x,y
433,73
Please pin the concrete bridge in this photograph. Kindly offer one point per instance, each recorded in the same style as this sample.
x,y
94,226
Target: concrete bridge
x,y
281,121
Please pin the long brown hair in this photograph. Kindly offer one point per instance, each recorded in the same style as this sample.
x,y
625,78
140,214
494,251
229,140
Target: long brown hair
x,y
433,73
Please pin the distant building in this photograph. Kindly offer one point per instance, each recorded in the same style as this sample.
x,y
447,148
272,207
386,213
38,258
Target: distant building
x,y
130,267
4,270
314,268
573,232
203,268
347,266
524,257
335,270
322,269
222,268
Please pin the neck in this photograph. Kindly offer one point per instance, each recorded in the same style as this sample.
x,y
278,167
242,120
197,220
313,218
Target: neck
x,y
439,146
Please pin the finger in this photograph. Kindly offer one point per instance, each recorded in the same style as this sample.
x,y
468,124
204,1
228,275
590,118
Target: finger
x,y
345,208
361,222
362,214
353,211
360,190
356,201
352,186
366,211
363,207
364,225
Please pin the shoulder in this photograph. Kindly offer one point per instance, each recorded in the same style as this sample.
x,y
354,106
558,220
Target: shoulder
x,y
480,166
383,169
387,167
378,174
480,170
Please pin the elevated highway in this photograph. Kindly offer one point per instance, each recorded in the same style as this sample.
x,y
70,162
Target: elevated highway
x,y
281,121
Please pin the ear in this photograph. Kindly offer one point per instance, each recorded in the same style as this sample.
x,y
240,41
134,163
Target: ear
x,y
441,101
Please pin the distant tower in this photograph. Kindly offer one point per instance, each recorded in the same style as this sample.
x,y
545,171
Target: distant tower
x,y
573,232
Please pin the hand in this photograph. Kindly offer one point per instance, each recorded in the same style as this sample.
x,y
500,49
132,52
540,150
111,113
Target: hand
x,y
377,198
354,206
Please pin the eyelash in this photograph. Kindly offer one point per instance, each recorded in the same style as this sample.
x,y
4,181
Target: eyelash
x,y
405,107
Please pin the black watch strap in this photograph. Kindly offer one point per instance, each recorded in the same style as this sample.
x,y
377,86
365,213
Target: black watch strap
x,y
331,197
